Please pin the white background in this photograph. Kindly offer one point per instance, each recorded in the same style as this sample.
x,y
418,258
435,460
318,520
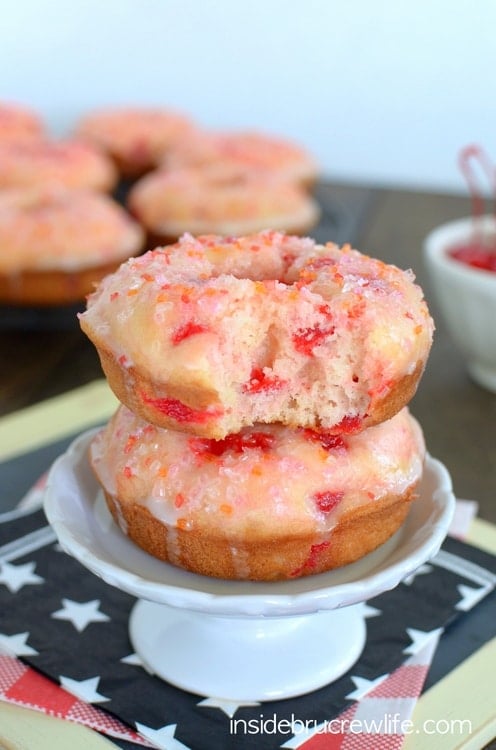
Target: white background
x,y
383,92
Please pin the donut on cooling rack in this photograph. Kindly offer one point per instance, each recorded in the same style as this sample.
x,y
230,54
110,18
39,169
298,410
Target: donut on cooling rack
x,y
268,503
214,334
137,138
219,199
247,150
71,164
19,124
56,244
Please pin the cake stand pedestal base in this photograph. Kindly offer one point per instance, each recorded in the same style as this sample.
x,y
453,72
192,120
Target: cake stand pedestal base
x,y
247,658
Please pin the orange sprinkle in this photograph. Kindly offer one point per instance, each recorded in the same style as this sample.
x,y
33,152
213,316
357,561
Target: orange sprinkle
x,y
131,441
260,287
257,471
179,500
147,276
357,310
132,292
225,508
163,471
417,329
182,523
162,297
308,275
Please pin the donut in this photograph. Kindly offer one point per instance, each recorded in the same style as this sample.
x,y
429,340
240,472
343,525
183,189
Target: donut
x,y
19,124
223,199
136,138
249,150
69,163
56,244
213,334
268,503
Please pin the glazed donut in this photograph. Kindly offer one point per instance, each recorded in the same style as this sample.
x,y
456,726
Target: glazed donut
x,y
68,163
19,124
213,334
136,138
268,503
56,244
219,200
248,150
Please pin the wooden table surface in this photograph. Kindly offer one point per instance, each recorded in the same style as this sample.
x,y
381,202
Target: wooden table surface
x,y
48,356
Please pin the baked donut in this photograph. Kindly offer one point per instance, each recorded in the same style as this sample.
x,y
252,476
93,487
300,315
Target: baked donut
x,y
136,138
19,124
213,334
56,244
68,163
268,503
248,150
219,199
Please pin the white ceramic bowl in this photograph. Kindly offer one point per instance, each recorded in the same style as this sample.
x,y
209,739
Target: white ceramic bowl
x,y
466,296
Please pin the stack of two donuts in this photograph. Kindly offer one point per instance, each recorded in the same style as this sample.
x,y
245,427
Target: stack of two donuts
x,y
263,431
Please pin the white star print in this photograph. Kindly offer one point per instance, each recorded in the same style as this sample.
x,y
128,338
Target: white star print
x,y
80,613
132,659
364,686
229,707
85,690
420,639
368,611
16,645
162,738
422,570
17,576
471,596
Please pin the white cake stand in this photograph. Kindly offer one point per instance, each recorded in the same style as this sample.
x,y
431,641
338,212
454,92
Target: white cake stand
x,y
242,641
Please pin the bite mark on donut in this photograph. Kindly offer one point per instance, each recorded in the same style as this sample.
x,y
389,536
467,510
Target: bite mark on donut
x,y
180,411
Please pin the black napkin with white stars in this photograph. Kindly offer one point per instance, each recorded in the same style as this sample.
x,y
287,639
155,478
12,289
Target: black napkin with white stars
x,y
71,626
